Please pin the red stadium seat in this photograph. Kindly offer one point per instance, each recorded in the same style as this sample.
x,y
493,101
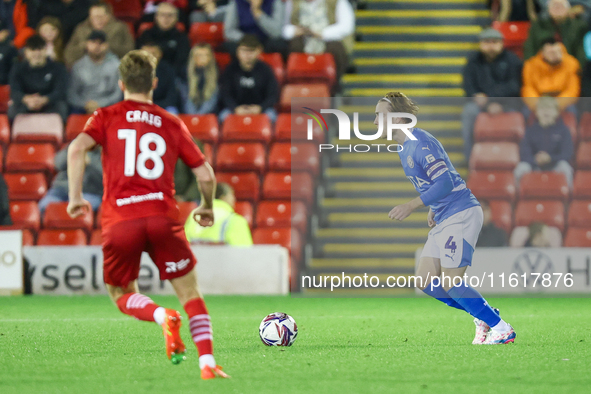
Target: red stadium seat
x,y
501,156
283,236
202,127
508,126
304,90
38,128
275,61
578,238
585,127
186,207
285,156
278,186
75,125
25,214
96,238
4,98
544,185
222,59
62,237
246,185
4,130
148,25
492,184
515,34
28,238
245,209
128,10
210,32
282,214
30,157
306,68
584,155
582,185
247,128
241,156
57,217
502,214
579,213
295,128
549,212
26,186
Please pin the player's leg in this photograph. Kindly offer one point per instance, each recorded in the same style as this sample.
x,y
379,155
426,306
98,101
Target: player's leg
x,y
129,301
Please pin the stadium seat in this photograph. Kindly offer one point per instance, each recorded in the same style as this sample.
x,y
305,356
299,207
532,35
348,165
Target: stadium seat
x,y
246,185
186,207
96,238
520,235
515,34
282,214
502,214
544,185
25,185
275,61
62,237
285,156
283,236
501,156
584,155
148,25
240,156
210,32
277,186
75,125
127,10
507,126
202,127
578,238
38,128
4,98
245,209
57,217
28,238
585,127
4,130
304,90
30,157
295,128
546,211
492,184
222,59
253,128
579,213
25,214
307,68
582,185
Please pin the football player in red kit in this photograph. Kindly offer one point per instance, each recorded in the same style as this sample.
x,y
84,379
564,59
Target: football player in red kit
x,y
141,144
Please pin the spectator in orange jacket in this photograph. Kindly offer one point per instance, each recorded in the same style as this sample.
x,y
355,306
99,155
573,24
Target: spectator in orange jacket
x,y
552,72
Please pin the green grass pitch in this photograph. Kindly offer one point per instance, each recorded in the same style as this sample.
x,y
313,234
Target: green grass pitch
x,y
368,345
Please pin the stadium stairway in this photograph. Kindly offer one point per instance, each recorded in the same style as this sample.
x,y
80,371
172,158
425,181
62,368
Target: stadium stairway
x,y
418,47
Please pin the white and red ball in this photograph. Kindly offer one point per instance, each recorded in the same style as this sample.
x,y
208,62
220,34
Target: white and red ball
x,y
278,329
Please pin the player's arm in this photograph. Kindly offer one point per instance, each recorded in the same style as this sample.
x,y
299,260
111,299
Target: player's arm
x,y
207,184
77,151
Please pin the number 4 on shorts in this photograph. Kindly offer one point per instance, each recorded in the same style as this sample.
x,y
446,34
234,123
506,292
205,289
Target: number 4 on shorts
x,y
450,244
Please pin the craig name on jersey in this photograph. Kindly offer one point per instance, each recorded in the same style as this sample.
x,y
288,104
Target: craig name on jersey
x,y
143,116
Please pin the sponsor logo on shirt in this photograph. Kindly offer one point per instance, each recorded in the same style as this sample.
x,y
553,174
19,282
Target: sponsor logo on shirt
x,y
410,162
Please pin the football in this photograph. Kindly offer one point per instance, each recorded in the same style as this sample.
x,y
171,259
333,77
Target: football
x,y
278,329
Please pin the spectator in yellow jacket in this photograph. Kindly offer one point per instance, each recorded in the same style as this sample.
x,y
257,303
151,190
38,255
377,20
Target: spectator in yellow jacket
x,y
228,227
552,72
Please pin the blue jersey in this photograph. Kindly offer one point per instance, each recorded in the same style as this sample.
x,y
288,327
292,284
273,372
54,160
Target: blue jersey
x,y
424,161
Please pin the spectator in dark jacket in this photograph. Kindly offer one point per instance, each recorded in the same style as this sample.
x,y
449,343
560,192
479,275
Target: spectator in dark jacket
x,y
248,85
166,93
69,12
547,145
490,234
490,74
38,84
8,54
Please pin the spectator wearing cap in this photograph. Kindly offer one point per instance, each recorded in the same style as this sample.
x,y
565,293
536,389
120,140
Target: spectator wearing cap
x,y
552,72
38,84
248,85
94,78
166,94
557,23
491,73
100,17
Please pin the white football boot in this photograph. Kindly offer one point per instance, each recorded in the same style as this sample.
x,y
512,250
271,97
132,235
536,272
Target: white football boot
x,y
482,330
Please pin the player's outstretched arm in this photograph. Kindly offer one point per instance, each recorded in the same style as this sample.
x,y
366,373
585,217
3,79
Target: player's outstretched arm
x,y
207,184
76,164
401,212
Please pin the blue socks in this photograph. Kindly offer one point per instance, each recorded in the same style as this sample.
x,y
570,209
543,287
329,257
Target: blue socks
x,y
473,303
440,294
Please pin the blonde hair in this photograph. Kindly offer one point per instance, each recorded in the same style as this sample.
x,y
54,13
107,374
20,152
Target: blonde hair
x,y
399,102
210,74
58,43
138,70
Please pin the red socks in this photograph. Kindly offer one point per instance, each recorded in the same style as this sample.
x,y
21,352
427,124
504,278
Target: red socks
x,y
200,325
137,305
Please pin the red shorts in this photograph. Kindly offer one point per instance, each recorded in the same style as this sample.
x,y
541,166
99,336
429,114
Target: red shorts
x,y
162,237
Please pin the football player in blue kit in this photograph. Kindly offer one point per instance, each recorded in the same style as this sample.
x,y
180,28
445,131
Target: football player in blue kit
x,y
455,218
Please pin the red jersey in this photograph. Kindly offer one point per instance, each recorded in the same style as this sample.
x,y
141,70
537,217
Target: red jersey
x,y
141,144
